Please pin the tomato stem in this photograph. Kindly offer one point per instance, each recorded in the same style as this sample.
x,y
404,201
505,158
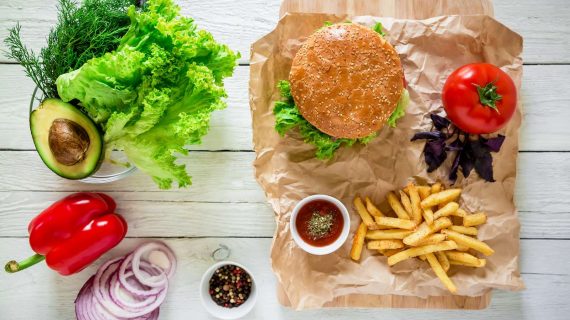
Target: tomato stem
x,y
488,95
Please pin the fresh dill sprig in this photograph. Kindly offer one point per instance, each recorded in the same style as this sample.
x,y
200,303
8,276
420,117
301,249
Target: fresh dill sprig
x,y
27,58
82,32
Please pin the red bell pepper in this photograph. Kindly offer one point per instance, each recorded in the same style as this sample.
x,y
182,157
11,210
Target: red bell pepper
x,y
73,232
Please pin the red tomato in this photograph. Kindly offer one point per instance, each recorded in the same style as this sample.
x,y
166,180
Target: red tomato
x,y
479,98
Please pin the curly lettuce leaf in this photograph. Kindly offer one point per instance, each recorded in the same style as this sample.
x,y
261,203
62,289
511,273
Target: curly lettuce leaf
x,y
155,94
287,117
379,29
400,108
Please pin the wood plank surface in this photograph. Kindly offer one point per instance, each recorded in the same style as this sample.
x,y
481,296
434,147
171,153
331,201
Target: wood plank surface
x,y
224,190
39,293
401,9
231,128
544,25
226,206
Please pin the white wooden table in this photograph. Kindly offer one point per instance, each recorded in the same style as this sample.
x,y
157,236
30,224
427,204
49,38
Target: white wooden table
x,y
226,206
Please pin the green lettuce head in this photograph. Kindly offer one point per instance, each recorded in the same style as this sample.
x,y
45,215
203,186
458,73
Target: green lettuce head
x,y
155,94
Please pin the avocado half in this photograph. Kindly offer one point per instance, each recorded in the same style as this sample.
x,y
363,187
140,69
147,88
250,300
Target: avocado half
x,y
68,141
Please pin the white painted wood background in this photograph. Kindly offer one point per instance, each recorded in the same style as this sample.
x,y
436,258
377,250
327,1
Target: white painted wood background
x,y
226,206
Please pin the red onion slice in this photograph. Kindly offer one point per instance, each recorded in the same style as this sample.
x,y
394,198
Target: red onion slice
x,y
121,296
129,288
147,267
81,305
154,281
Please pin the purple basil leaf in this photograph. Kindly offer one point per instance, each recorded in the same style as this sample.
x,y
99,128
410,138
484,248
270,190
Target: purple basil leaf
x,y
484,167
456,145
439,122
467,159
483,160
478,148
429,135
435,155
494,144
454,168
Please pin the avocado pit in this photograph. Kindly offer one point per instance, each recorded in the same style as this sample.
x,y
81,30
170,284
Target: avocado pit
x,y
68,141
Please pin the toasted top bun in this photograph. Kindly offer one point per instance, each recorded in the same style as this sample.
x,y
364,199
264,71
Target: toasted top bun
x,y
346,80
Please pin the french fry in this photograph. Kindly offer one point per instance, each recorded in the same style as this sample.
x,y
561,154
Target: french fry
x,y
372,209
425,230
396,206
428,215
424,191
395,223
444,196
387,234
441,238
446,210
415,203
442,258
384,244
480,263
474,219
472,231
414,252
391,252
472,243
363,213
462,248
358,242
460,213
432,239
435,188
440,272
406,203
462,257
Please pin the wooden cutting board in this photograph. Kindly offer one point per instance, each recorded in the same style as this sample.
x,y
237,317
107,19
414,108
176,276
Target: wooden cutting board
x,y
402,9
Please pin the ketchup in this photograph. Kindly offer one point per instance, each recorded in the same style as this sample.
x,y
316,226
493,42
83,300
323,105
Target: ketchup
x,y
323,208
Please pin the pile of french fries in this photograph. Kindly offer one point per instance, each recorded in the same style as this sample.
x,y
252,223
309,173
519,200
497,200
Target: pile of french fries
x,y
427,223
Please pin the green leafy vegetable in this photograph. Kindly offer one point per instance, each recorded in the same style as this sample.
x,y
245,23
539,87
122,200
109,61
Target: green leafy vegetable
x,y
155,93
378,28
81,33
400,108
287,117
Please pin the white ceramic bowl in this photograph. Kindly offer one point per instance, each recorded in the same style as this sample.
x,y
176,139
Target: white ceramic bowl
x,y
328,248
219,311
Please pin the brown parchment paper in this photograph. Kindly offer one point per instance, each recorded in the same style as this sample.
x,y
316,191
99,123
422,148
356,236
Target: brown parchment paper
x,y
288,171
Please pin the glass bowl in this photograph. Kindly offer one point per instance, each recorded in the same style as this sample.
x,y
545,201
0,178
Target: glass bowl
x,y
114,167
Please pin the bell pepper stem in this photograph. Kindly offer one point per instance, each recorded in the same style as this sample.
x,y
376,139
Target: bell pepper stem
x,y
15,266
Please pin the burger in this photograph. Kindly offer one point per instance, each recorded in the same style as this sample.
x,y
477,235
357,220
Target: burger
x,y
346,82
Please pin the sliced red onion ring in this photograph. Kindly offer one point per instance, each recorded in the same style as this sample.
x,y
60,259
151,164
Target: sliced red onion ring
x,y
81,306
150,269
120,289
154,281
127,299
